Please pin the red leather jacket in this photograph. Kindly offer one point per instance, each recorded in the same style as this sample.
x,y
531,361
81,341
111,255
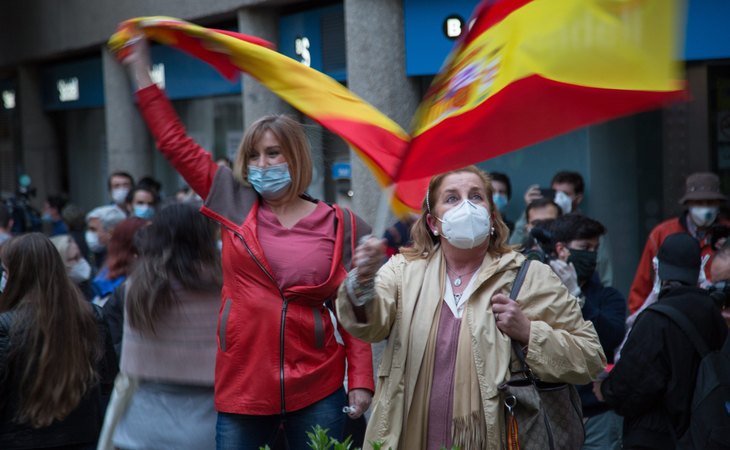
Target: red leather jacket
x,y
277,348
644,278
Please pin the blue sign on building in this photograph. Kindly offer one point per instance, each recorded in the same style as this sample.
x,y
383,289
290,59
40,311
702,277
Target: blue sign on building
x,y
188,77
316,38
80,83
73,85
431,25
430,28
341,171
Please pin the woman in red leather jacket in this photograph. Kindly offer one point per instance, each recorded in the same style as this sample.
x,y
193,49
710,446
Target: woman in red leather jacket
x,y
281,355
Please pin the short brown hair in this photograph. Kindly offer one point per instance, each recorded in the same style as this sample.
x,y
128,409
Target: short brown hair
x,y
424,241
294,148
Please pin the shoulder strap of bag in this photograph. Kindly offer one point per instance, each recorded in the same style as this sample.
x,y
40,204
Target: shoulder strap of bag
x,y
354,230
519,280
347,245
684,324
516,286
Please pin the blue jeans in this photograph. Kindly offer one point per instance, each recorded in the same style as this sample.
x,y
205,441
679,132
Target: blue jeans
x,y
604,431
247,432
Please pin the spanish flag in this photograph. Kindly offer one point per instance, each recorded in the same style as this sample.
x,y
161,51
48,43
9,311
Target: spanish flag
x,y
379,141
529,70
526,71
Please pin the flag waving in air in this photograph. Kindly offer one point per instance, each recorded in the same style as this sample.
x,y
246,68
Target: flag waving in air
x,y
526,70
377,139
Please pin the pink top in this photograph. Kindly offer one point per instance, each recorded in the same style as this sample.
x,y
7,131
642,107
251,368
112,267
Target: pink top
x,y
301,256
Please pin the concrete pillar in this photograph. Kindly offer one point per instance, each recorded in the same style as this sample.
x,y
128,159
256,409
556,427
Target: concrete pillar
x,y
39,144
257,99
126,134
376,71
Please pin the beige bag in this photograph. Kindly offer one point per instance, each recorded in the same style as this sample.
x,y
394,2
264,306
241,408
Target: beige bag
x,y
124,388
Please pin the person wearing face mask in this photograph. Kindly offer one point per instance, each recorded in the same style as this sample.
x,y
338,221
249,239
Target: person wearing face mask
x,y
142,202
502,195
443,306
702,201
575,243
569,189
281,357
120,183
78,268
653,384
100,223
52,215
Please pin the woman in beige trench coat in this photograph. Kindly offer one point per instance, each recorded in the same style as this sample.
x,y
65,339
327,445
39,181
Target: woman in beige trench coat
x,y
443,306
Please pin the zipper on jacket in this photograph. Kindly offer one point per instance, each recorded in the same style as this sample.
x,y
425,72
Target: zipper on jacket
x,y
283,319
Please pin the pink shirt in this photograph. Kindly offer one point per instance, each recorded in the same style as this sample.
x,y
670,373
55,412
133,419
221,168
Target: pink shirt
x,y
301,256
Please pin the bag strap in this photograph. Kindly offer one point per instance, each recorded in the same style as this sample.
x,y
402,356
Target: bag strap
x,y
684,324
519,280
347,242
516,286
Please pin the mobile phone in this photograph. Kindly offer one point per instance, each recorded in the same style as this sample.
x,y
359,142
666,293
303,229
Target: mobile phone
x,y
547,193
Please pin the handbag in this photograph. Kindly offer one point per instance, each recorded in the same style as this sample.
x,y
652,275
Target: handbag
x,y
539,415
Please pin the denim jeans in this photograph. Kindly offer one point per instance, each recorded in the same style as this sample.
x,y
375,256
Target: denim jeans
x,y
604,431
247,432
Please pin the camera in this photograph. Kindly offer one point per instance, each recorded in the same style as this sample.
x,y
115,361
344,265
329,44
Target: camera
x,y
539,244
547,193
25,217
720,294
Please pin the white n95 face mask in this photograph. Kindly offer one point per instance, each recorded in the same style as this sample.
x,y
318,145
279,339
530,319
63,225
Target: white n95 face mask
x,y
119,195
703,215
564,201
92,240
466,226
80,272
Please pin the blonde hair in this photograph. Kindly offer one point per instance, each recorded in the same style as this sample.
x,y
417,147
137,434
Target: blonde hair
x,y
294,148
424,242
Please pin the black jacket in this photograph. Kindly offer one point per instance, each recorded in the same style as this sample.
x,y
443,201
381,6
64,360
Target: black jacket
x,y
606,308
653,382
81,426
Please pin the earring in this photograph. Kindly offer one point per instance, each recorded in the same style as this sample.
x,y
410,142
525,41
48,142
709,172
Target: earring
x,y
435,232
492,231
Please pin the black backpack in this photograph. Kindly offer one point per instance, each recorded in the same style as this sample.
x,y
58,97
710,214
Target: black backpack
x,y
709,426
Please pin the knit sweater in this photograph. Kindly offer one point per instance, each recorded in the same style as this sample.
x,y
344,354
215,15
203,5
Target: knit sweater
x,y
182,349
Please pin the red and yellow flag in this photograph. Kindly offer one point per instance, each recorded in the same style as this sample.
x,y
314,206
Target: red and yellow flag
x,y
526,71
378,140
529,70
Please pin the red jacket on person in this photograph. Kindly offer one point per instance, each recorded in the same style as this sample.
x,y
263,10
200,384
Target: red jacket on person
x,y
644,278
277,349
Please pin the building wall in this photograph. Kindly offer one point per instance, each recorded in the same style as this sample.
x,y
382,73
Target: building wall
x,y
42,29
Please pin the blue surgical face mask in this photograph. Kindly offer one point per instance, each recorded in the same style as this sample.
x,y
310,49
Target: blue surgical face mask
x,y
144,211
500,201
271,182
47,217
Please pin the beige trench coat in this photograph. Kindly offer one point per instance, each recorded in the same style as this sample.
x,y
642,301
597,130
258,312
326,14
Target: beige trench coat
x,y
562,346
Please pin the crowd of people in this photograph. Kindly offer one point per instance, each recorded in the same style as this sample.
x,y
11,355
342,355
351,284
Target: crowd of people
x,y
174,322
